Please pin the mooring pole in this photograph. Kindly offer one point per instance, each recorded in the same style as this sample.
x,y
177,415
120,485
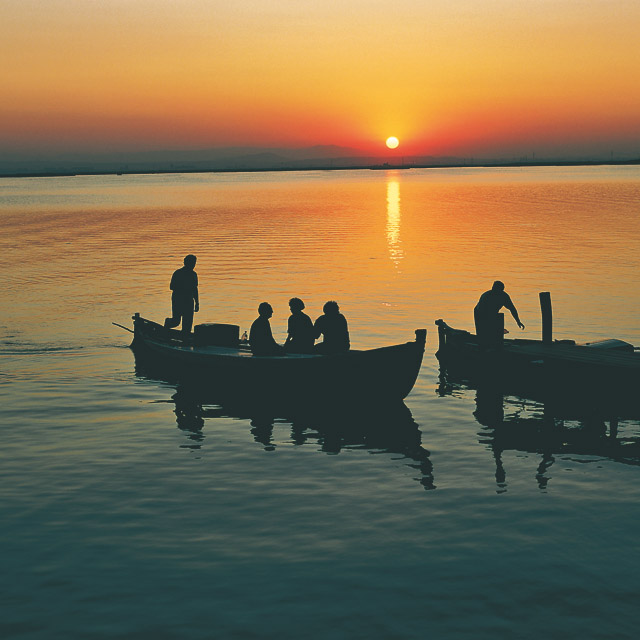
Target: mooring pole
x,y
442,335
547,317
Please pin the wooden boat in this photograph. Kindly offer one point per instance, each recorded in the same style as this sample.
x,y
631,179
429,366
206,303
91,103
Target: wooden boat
x,y
387,373
610,362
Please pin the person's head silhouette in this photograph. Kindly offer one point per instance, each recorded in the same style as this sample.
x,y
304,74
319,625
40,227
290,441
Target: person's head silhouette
x,y
295,304
190,261
498,286
265,310
331,308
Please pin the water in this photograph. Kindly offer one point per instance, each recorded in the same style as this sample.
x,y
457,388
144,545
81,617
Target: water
x,y
133,509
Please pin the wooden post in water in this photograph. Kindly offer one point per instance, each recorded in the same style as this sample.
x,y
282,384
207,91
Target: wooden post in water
x,y
547,317
442,335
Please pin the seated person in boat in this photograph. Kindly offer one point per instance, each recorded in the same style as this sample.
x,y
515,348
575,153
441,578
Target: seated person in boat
x,y
486,312
184,297
300,335
260,337
332,326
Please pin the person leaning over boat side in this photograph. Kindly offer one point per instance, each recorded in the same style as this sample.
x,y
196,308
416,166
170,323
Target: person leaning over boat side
x,y
485,313
184,299
332,325
260,337
300,336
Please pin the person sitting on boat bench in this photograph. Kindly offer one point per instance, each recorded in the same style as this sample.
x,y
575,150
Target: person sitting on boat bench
x,y
260,337
300,336
332,325
486,312
184,299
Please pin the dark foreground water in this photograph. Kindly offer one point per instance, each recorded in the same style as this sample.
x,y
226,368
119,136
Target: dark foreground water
x,y
132,507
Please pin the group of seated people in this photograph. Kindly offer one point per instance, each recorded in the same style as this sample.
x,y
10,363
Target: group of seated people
x,y
301,331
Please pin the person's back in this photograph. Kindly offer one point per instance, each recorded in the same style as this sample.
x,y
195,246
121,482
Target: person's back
x,y
333,328
492,301
485,314
184,283
261,338
300,336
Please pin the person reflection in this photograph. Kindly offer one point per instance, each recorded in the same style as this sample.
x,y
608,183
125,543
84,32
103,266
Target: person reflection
x,y
332,325
542,473
189,416
515,434
300,336
490,413
261,339
262,430
485,313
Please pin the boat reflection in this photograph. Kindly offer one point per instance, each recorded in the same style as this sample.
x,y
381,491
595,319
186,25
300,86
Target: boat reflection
x,y
381,429
550,424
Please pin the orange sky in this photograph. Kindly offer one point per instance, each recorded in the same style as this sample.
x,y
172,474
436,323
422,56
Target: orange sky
x,y
460,77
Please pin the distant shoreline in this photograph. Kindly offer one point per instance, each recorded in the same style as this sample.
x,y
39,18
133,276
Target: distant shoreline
x,y
373,167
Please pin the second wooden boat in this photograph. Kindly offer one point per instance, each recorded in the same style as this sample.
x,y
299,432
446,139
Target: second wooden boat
x,y
613,361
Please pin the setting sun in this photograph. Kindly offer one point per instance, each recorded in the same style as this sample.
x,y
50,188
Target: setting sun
x,y
392,142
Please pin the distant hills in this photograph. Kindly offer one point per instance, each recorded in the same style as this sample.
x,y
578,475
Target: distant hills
x,y
237,159
221,159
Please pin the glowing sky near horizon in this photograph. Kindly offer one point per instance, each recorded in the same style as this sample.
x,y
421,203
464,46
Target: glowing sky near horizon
x,y
445,76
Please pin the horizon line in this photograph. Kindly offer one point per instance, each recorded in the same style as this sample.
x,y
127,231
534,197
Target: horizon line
x,y
386,166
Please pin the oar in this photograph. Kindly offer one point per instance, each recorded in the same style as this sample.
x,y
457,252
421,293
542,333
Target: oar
x,y
123,327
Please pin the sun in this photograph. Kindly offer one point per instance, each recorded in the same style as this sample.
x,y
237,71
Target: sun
x,y
392,142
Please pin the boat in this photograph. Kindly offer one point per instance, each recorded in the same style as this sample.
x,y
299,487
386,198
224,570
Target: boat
x,y
606,367
213,355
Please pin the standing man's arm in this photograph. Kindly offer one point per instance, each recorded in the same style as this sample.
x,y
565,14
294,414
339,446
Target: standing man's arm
x,y
195,295
514,312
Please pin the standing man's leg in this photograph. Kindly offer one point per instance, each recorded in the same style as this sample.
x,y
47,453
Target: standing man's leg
x,y
187,319
480,322
485,330
176,314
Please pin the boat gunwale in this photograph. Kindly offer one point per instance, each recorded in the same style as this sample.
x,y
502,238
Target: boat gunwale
x,y
215,351
558,352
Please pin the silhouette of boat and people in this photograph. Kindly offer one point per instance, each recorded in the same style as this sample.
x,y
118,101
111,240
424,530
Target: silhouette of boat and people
x,y
522,433
302,332
389,371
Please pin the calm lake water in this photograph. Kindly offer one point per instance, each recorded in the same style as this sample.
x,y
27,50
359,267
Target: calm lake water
x,y
131,508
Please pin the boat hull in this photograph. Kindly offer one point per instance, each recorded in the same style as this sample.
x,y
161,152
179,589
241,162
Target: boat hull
x,y
387,372
602,371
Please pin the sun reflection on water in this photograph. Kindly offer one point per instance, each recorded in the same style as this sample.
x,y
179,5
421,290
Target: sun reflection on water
x,y
393,221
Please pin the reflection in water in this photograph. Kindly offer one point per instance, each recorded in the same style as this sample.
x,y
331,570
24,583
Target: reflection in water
x,y
393,221
548,426
383,429
189,418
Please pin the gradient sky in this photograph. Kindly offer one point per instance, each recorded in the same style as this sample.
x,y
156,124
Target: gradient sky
x,y
447,77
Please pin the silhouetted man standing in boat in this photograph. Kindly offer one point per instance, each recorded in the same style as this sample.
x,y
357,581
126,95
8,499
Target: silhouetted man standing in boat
x,y
486,312
300,336
184,299
332,325
260,337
